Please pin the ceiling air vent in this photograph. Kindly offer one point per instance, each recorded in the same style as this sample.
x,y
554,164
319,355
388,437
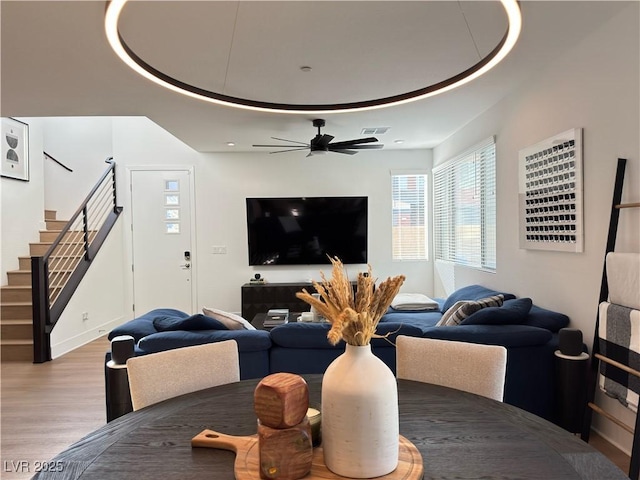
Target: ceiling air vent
x,y
375,130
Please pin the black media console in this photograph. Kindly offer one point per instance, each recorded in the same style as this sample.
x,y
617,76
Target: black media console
x,y
259,298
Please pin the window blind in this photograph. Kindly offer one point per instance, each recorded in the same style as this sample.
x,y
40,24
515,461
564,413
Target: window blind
x,y
409,218
464,208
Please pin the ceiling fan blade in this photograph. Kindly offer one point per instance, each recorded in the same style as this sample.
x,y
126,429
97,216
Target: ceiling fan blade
x,y
343,150
290,150
363,147
349,143
322,141
292,141
279,146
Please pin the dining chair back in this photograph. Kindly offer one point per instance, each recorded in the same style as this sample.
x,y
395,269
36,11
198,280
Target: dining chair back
x,y
158,376
470,367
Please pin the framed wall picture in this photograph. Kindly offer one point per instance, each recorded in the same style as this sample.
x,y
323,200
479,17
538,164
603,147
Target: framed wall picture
x,y
550,194
15,149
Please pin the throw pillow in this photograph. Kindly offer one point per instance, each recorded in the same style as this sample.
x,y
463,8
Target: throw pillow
x,y
472,292
165,323
458,312
492,301
413,302
512,312
547,319
230,320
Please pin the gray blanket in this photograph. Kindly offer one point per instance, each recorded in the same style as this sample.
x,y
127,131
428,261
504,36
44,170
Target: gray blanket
x,y
619,332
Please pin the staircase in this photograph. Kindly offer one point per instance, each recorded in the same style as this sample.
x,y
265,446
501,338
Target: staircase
x,y
16,322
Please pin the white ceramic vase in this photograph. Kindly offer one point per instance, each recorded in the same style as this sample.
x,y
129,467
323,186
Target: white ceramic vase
x,y
360,415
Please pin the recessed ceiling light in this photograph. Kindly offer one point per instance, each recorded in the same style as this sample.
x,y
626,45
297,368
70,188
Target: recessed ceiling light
x,y
399,141
133,61
231,144
306,68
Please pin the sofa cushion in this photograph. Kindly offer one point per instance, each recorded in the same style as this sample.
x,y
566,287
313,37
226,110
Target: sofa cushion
x,y
505,335
164,323
512,312
472,292
547,319
423,319
143,325
314,335
231,320
248,340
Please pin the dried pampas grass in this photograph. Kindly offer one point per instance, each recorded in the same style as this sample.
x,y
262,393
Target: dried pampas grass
x,y
353,318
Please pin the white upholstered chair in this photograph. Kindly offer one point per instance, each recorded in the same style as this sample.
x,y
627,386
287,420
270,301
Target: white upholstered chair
x,y
470,367
159,376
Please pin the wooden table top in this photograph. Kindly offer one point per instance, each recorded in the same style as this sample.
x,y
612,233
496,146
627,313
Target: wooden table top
x,y
459,435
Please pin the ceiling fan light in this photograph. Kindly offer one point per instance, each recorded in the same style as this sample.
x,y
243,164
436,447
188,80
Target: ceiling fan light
x,y
318,152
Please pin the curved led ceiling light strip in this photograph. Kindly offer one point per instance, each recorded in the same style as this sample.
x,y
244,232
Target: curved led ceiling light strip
x,y
133,61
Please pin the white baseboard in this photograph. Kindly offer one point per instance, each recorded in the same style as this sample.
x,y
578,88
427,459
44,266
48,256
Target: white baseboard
x,y
83,338
612,441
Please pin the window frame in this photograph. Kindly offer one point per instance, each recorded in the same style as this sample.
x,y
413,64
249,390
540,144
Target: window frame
x,y
448,213
415,253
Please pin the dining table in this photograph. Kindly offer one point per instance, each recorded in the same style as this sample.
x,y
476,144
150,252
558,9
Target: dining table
x,y
459,435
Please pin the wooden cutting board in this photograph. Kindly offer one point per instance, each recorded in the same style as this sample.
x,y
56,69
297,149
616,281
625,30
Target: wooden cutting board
x,y
248,457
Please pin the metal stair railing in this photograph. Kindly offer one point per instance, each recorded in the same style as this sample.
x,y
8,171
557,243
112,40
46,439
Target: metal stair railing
x,y
56,275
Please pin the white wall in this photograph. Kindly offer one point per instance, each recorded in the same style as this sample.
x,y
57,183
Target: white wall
x,y
594,86
82,144
22,205
101,296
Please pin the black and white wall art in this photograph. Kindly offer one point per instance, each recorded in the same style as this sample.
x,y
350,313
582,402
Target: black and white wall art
x,y
550,193
15,149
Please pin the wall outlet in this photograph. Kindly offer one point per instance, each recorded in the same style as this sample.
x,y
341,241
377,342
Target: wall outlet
x,y
85,316
219,249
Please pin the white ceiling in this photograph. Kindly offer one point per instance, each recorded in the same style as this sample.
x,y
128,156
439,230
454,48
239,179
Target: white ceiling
x,y
56,62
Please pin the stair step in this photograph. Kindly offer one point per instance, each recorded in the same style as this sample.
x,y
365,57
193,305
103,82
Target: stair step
x,y
38,249
15,293
19,278
24,263
16,310
23,277
16,330
16,350
50,214
72,236
65,261
56,224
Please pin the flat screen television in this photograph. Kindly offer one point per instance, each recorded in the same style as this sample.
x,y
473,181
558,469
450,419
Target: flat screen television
x,y
306,230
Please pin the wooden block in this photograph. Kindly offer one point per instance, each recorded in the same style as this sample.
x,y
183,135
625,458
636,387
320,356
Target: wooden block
x,y
285,453
281,400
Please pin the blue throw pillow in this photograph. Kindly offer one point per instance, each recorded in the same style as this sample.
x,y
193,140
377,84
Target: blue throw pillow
x,y
142,326
547,319
472,292
166,323
512,312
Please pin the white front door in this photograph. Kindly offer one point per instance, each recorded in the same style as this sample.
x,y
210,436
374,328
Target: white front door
x,y
162,244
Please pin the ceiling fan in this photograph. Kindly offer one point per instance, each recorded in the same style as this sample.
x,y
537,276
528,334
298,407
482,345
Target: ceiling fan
x,y
321,143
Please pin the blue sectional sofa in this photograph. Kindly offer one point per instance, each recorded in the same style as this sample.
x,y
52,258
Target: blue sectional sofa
x,y
529,333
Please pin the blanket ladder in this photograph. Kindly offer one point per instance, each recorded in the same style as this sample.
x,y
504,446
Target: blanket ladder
x,y
597,356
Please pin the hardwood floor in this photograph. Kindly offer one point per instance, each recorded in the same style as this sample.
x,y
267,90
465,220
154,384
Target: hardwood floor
x,y
47,407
